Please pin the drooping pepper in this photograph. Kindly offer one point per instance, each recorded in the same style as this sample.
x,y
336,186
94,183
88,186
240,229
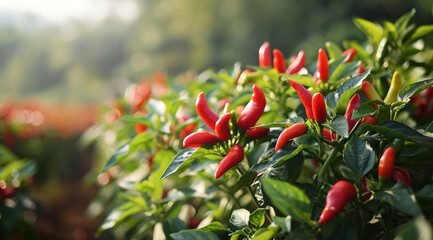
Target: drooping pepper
x,y
400,175
139,128
279,61
257,133
322,66
351,52
195,140
222,128
296,130
386,163
305,96
369,119
327,135
361,69
338,196
265,55
208,116
369,91
233,158
394,88
319,107
298,64
254,109
354,104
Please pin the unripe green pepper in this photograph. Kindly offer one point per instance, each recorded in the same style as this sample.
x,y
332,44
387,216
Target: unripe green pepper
x,y
394,89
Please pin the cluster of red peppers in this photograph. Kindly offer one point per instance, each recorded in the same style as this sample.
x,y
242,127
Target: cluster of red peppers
x,y
221,126
278,62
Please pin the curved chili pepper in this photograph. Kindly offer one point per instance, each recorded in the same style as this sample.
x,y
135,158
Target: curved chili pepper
x,y
400,175
369,91
354,104
222,129
322,66
139,128
195,140
257,133
351,52
233,158
365,189
319,107
338,196
208,116
254,109
265,55
327,135
305,96
296,130
279,61
386,163
188,129
369,119
361,69
298,64
394,88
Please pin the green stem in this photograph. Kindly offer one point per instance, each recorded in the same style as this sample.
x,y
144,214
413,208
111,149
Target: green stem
x,y
328,162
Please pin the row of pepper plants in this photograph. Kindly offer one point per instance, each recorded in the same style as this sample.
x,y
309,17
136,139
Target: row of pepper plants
x,y
336,147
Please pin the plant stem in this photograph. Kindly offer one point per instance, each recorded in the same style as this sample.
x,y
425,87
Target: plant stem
x,y
328,162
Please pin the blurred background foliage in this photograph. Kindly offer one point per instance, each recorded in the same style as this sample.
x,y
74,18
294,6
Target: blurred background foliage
x,y
79,61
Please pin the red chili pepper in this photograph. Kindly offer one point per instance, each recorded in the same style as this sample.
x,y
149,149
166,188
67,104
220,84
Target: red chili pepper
x,y
257,133
319,107
265,55
369,91
369,119
222,103
322,66
386,163
254,109
7,191
327,135
188,129
338,196
222,128
351,52
208,116
296,130
233,158
400,175
298,64
365,189
139,128
354,104
195,140
361,69
279,61
305,96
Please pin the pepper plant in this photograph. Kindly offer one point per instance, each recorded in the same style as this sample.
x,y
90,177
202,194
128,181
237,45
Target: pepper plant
x,y
327,148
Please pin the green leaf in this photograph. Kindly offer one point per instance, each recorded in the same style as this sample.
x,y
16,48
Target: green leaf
x,y
333,50
156,106
193,235
245,181
340,126
140,141
412,89
284,222
402,22
344,70
214,226
287,198
134,119
420,32
358,156
266,233
401,198
182,158
119,215
113,159
373,31
366,109
284,154
282,124
172,225
304,80
241,99
344,92
240,218
419,228
257,218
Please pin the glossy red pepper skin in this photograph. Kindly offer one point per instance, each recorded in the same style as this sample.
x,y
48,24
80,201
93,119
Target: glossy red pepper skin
x,y
188,129
279,61
354,104
322,66
327,135
351,52
400,175
298,64
369,91
233,158
265,55
386,163
222,128
369,119
257,133
338,196
195,140
139,128
319,107
296,130
208,116
305,96
254,109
